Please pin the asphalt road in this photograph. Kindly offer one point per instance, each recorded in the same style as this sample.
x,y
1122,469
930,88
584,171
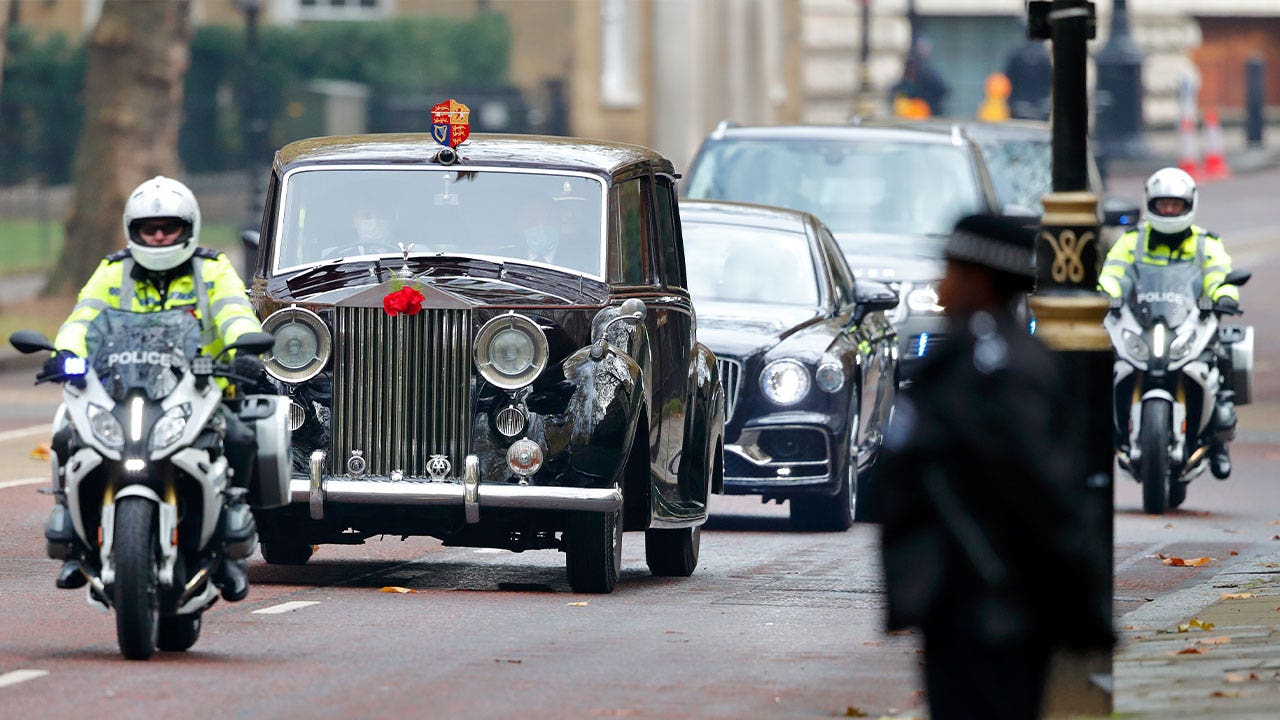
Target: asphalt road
x,y
773,623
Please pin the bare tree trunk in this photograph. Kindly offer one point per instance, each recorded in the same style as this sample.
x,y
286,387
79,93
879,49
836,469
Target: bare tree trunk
x,y
4,35
138,55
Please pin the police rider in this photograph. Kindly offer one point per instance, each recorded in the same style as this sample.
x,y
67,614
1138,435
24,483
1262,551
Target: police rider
x,y
157,271
1167,235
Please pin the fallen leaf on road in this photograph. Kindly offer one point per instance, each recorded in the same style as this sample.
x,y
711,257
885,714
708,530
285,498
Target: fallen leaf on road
x,y
854,712
1189,651
900,632
40,452
1234,553
1239,678
1194,623
873,643
579,604
1215,640
1225,693
1275,537
1237,596
397,589
1193,562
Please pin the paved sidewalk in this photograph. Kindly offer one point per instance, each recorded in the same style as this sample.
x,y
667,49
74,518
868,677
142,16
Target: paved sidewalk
x,y
1222,662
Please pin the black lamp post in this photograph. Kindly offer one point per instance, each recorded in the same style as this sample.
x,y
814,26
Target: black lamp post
x,y
257,152
865,105
1118,128
1069,311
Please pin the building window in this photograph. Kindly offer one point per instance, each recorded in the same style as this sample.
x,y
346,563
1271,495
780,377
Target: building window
x,y
343,9
620,53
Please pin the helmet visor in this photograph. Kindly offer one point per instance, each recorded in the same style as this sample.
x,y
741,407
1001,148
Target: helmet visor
x,y
160,232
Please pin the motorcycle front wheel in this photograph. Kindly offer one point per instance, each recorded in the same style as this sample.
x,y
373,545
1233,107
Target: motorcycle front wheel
x,y
1153,437
136,595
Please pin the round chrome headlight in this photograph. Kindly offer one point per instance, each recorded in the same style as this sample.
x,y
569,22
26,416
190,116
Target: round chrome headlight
x,y
511,350
303,344
829,376
784,382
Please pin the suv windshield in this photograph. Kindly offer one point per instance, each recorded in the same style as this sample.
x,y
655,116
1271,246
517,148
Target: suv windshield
x,y
854,186
553,219
742,264
1022,170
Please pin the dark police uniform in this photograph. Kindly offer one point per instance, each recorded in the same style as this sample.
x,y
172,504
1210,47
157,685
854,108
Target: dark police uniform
x,y
981,495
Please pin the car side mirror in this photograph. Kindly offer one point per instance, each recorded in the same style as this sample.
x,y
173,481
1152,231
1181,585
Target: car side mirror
x,y
29,341
871,296
1119,212
1235,277
254,342
250,238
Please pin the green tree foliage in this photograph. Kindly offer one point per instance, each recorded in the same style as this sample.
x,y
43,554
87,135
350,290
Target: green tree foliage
x,y
41,115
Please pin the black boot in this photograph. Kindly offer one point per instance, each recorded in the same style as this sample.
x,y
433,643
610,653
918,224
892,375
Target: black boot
x,y
232,579
1219,461
70,577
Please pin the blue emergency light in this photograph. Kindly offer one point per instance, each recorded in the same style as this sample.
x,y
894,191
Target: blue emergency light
x,y
922,344
75,366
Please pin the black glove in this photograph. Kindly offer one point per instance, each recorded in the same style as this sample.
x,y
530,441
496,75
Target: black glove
x,y
251,369
1113,308
53,367
1227,305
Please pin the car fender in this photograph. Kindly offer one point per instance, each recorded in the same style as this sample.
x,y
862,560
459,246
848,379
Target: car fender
x,y
704,425
604,406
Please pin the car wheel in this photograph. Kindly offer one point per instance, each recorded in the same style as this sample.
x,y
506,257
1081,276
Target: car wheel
x,y
286,553
593,551
831,513
672,553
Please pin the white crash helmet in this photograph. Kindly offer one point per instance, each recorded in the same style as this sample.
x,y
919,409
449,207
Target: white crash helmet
x,y
1171,183
162,197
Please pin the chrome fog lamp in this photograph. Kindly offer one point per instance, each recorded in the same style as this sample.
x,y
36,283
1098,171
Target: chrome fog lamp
x,y
524,457
510,421
829,377
297,415
784,382
510,351
303,345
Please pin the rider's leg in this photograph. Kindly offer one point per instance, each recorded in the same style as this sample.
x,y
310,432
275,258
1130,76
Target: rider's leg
x,y
1224,417
59,533
238,530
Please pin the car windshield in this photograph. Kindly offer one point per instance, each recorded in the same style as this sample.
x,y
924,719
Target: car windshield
x,y
854,186
734,263
1022,170
554,219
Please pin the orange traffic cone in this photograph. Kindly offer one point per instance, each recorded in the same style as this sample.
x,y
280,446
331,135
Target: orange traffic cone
x,y
1189,160
1215,161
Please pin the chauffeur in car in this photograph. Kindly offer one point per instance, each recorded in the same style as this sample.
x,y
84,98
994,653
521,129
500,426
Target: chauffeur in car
x,y
491,344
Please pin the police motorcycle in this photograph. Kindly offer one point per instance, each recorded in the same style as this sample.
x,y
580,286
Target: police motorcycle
x,y
138,452
1167,378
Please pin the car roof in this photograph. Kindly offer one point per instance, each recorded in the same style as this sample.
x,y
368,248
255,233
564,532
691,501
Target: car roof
x,y
733,213
532,151
883,131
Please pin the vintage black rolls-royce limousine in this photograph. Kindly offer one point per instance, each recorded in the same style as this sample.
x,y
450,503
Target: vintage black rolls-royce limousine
x,y
493,345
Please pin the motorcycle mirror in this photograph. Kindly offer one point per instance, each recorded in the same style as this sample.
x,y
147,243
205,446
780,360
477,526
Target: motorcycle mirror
x,y
254,342
29,341
1237,277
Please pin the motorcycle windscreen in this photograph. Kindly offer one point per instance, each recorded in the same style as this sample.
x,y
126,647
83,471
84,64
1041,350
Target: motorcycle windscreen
x,y
142,351
1168,292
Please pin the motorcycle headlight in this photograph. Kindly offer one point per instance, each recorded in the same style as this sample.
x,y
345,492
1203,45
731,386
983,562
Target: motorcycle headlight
x,y
303,344
511,350
170,427
829,376
105,427
924,300
1136,346
1182,345
784,382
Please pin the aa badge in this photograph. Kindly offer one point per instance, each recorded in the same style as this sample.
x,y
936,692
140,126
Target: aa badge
x,y
450,123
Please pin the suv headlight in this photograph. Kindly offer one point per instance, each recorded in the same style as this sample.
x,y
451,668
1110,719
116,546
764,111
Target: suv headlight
x,y
924,300
105,427
169,427
511,350
784,382
303,344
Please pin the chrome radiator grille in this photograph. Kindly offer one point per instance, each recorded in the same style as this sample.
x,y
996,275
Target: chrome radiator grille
x,y
401,389
731,379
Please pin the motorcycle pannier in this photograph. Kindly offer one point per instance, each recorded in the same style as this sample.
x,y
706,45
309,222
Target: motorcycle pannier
x,y
269,416
1238,341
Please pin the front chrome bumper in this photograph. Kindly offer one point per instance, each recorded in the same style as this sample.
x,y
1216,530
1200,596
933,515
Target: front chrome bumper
x,y
318,491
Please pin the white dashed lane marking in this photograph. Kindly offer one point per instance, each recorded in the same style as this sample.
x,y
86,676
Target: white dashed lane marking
x,y
285,607
7,435
20,676
24,481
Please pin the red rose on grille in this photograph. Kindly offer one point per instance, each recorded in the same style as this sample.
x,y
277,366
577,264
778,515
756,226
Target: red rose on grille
x,y
405,301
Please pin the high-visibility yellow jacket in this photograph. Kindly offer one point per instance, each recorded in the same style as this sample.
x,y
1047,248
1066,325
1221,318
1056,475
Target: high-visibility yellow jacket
x,y
1135,246
220,302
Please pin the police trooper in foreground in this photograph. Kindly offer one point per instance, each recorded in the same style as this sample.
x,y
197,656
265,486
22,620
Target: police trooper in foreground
x,y
156,271
1166,235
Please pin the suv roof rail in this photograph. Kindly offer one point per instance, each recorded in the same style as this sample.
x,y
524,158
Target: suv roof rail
x,y
722,126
